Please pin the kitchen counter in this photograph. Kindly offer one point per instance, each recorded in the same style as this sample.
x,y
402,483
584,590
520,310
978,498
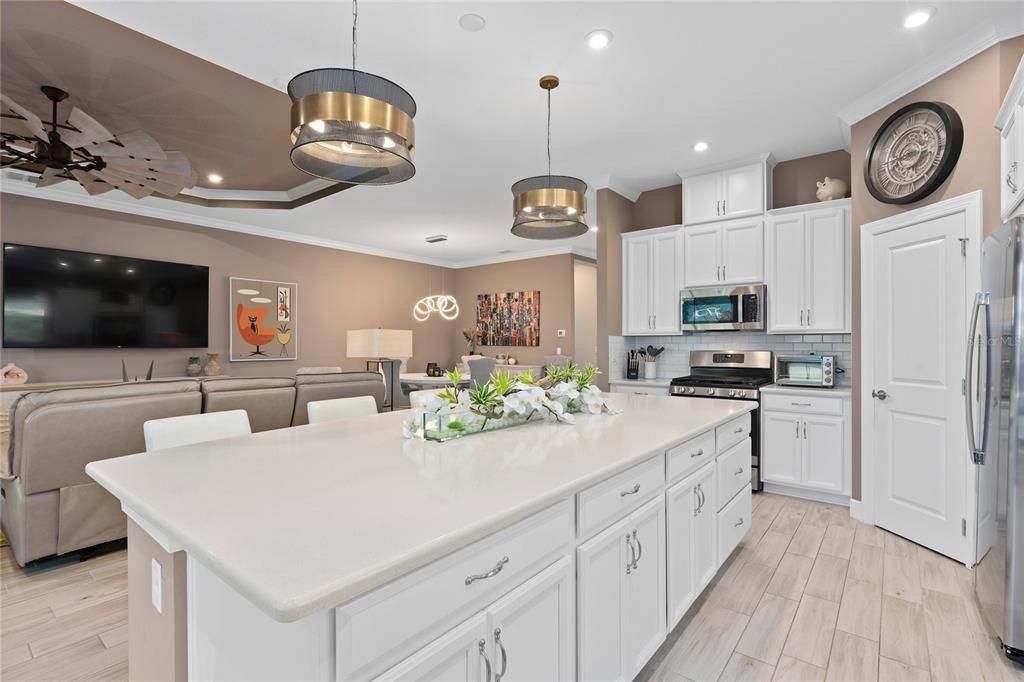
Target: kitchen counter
x,y
661,382
302,519
841,391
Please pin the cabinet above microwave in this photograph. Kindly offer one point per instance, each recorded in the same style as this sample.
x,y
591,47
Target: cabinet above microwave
x,y
734,190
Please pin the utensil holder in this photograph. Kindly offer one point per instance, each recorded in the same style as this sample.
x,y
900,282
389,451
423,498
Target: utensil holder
x,y
650,369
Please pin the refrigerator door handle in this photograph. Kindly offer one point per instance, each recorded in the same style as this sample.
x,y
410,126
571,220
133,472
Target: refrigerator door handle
x,y
981,300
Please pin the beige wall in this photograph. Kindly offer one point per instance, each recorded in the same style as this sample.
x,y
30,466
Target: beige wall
x,y
975,90
551,275
793,182
615,216
158,646
338,291
658,207
584,285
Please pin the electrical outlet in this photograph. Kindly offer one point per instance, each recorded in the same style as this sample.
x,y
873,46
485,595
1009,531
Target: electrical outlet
x,y
157,586
561,333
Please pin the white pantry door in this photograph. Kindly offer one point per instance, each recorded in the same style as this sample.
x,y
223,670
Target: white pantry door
x,y
915,316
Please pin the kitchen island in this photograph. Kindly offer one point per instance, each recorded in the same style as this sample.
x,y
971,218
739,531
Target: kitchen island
x,y
343,551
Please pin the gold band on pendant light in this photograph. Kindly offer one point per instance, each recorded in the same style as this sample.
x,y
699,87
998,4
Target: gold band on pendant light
x,y
549,196
348,106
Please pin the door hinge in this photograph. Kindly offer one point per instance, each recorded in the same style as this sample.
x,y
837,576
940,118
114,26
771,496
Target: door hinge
x,y
963,527
963,245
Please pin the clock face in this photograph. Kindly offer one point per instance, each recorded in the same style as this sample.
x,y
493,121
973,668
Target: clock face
x,y
913,152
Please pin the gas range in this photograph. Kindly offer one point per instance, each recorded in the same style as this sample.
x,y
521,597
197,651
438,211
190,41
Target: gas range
x,y
737,388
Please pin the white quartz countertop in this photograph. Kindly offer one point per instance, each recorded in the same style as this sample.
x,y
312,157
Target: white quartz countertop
x,y
306,518
658,381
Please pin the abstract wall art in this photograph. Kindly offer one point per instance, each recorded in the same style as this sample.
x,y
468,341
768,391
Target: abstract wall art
x,y
508,319
263,320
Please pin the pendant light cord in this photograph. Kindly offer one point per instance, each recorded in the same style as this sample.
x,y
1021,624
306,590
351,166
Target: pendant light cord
x,y
549,137
355,43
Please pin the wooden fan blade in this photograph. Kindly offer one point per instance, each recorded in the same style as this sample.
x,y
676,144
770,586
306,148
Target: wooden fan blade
x,y
176,162
31,121
91,132
136,144
91,184
127,186
50,176
157,182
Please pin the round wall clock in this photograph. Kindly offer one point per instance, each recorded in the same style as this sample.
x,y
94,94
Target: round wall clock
x,y
913,152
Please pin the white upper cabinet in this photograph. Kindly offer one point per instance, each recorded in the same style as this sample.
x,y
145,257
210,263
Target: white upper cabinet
x,y
652,262
807,268
1010,123
724,253
729,191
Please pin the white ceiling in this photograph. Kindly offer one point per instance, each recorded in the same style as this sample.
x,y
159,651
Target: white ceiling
x,y
749,77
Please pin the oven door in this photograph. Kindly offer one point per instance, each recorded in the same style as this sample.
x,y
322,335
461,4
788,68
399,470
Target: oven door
x,y
718,308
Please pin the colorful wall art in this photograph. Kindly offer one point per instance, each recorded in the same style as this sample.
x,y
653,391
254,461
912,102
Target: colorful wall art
x,y
509,319
263,322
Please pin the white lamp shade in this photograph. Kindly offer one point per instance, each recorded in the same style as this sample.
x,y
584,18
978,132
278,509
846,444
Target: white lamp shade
x,y
379,343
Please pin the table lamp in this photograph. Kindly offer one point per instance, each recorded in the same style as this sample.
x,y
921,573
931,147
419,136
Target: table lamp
x,y
386,347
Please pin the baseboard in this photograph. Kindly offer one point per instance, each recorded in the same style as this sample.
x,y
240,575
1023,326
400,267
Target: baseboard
x,y
807,494
857,511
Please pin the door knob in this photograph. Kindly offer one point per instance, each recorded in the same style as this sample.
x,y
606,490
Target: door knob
x,y
880,394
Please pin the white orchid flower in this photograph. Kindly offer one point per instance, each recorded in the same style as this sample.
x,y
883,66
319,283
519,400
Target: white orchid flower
x,y
515,403
566,390
429,402
593,402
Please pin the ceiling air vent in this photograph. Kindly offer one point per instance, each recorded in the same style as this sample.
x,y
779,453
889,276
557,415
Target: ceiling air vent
x,y
504,251
437,238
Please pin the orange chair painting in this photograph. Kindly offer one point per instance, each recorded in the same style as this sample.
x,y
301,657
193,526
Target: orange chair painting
x,y
250,326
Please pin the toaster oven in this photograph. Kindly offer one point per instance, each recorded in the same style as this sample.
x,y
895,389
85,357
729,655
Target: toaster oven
x,y
805,370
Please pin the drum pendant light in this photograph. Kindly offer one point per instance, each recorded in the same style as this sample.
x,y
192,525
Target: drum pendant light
x,y
549,206
352,126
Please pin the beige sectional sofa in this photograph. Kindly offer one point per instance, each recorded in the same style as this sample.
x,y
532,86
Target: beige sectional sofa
x,y
48,505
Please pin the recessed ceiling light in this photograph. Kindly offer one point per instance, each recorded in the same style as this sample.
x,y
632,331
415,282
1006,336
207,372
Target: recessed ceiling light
x,y
918,17
593,228
215,178
64,264
599,39
97,260
472,22
130,270
701,147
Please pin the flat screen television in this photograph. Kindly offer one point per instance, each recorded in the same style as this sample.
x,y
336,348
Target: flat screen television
x,y
70,299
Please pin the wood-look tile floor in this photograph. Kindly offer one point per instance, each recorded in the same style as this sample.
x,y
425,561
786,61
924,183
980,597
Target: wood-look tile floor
x,y
812,594
65,619
809,595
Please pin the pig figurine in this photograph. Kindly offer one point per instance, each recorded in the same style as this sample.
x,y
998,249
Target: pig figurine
x,y
830,188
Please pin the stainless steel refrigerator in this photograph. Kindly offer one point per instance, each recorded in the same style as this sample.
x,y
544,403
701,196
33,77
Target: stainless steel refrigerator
x,y
995,371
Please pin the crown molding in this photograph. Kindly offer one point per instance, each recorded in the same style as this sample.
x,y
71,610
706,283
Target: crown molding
x,y
910,79
765,157
620,187
152,207
284,196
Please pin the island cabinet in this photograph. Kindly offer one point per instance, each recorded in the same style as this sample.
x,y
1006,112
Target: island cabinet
x,y
692,556
808,269
652,263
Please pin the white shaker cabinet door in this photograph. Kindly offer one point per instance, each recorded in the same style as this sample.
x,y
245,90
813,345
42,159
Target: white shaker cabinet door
x,y
786,274
666,282
701,253
533,628
827,270
644,619
460,655
822,462
743,252
681,504
743,191
780,448
702,198
705,552
601,573
637,281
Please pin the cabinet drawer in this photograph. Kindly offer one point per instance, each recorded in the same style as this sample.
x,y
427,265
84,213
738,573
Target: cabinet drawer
x,y
689,456
612,499
733,523
389,624
733,471
733,432
824,404
639,390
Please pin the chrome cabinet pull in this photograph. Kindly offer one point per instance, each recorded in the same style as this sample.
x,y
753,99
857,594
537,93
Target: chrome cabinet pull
x,y
632,555
489,574
696,496
808,317
805,430
697,454
655,325
880,394
723,207
797,425
482,646
800,404
632,491
801,317
1012,184
504,655
738,523
738,472
700,489
639,549
739,430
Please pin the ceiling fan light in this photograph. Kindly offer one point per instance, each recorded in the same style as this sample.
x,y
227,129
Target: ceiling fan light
x,y
558,206
352,126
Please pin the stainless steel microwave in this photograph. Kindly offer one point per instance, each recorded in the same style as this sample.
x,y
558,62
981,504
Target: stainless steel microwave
x,y
722,308
805,370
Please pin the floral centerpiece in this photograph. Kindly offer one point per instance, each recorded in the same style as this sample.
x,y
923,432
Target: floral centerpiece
x,y
504,401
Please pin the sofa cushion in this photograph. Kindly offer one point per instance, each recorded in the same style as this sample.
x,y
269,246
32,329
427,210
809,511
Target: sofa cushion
x,y
54,434
269,401
310,387
89,515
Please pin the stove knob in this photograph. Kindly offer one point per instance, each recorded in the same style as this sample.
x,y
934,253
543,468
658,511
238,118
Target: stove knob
x,y
732,393
689,389
710,391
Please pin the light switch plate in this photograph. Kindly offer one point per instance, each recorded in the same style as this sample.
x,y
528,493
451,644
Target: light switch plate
x,y
561,333
157,586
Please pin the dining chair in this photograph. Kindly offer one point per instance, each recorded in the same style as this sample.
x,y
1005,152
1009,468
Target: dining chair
x,y
195,428
338,408
480,369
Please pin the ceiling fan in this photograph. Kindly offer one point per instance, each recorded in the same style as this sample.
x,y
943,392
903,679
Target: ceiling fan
x,y
81,149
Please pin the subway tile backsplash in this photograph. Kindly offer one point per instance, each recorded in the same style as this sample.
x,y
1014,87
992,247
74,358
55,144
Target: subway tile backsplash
x,y
675,361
